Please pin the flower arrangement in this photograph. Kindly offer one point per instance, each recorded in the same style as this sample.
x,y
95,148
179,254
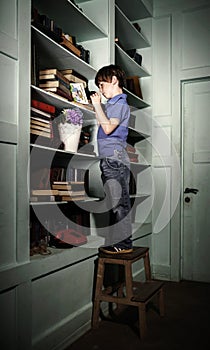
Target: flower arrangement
x,y
69,126
72,116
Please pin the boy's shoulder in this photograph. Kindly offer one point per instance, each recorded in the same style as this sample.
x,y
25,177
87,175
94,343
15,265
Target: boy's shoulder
x,y
120,98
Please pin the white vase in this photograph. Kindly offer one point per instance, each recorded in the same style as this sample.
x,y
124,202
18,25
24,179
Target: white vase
x,y
70,136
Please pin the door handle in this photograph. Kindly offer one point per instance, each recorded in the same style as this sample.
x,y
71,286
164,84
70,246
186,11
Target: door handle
x,y
191,190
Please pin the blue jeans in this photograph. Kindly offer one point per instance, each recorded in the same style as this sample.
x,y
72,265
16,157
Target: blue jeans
x,y
115,177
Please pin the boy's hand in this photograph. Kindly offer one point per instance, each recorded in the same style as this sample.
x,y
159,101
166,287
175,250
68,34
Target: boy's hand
x,y
95,98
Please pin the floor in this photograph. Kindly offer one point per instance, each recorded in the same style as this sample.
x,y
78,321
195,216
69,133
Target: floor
x,y
186,323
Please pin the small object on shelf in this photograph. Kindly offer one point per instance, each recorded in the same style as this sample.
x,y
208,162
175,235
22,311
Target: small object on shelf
x,y
70,128
133,85
137,26
117,41
67,238
85,54
135,56
66,42
132,121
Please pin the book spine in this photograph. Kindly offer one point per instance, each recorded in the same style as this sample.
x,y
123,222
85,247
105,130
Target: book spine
x,y
40,112
43,106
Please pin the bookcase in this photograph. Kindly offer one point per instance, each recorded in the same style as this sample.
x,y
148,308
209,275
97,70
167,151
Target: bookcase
x,y
49,54
69,272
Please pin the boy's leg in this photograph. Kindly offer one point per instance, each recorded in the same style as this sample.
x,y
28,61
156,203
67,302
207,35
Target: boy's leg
x,y
116,176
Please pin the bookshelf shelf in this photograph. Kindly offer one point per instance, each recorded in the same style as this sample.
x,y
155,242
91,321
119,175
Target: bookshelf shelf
x,y
135,101
54,55
135,10
71,19
63,153
129,37
138,167
130,66
136,135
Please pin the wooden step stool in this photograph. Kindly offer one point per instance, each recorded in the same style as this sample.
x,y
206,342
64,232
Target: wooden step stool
x,y
136,293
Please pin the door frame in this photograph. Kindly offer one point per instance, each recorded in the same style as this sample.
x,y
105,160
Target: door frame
x,y
183,83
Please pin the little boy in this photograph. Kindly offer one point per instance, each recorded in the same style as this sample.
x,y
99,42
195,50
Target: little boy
x,y
114,164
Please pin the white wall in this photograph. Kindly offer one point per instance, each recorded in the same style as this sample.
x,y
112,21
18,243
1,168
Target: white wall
x,y
180,51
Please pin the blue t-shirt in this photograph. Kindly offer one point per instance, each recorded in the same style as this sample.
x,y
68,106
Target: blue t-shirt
x,y
116,107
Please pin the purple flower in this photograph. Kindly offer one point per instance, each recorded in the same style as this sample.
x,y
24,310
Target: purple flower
x,y
73,116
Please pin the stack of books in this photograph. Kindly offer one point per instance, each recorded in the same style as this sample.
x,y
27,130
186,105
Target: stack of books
x,y
69,190
54,81
41,119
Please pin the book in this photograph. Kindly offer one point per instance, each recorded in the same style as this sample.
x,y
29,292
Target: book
x,y
88,106
44,192
42,198
40,133
55,74
78,93
58,91
74,73
74,79
42,128
36,111
76,198
61,186
41,122
71,193
45,107
51,77
49,71
56,84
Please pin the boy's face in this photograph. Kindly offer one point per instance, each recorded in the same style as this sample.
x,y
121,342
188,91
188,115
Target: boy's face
x,y
108,89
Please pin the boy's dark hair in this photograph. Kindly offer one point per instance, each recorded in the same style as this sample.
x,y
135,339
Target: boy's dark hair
x,y
106,73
